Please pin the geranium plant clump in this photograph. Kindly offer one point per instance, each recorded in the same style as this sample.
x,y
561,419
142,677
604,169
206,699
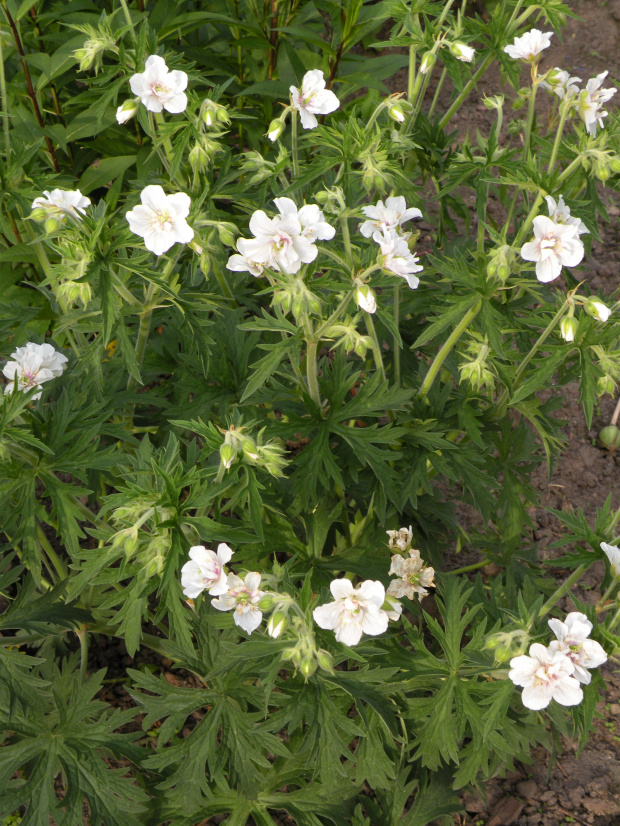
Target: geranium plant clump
x,y
250,329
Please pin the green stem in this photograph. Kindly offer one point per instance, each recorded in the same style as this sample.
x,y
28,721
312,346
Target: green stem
x,y
557,595
83,638
370,326
411,77
606,595
144,329
530,115
294,118
130,23
396,341
468,568
447,347
5,107
558,136
346,237
59,565
319,333
311,371
440,83
614,621
225,286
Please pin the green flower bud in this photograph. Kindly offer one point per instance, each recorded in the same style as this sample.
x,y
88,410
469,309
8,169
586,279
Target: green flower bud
x,y
568,328
614,164
597,309
396,112
276,127
308,666
39,214
228,454
610,437
226,231
428,61
52,225
277,624
606,384
265,603
325,660
601,169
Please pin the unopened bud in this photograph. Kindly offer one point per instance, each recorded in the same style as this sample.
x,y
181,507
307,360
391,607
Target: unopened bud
x,y
605,384
396,112
494,102
325,660
277,623
265,603
365,299
462,52
38,214
228,454
568,328
51,225
226,231
610,437
597,309
126,111
308,666
428,61
276,127
614,164
601,170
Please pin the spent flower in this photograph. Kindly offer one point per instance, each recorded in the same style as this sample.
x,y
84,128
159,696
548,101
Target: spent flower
x,y
400,540
412,576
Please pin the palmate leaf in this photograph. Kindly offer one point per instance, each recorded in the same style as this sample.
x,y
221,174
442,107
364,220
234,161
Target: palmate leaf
x,y
69,732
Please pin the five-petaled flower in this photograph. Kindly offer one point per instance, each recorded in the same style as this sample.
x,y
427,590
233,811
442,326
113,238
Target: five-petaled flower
x,y
160,220
278,243
60,202
529,45
241,262
545,676
243,598
613,555
355,611
313,99
554,246
384,217
33,365
314,227
205,571
412,577
591,101
158,88
572,641
397,258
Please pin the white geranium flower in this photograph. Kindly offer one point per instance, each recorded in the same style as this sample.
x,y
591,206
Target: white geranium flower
x,y
554,246
161,219
529,45
613,555
544,677
313,223
158,88
559,213
561,83
397,256
365,299
572,641
60,202
591,100
33,365
383,218
241,262
205,571
313,99
242,597
462,52
279,243
354,612
412,577
401,539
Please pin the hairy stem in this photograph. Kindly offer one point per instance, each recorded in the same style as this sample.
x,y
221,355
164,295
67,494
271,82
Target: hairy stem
x,y
557,595
311,371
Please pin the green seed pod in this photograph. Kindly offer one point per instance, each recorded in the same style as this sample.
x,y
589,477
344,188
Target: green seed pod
x,y
609,437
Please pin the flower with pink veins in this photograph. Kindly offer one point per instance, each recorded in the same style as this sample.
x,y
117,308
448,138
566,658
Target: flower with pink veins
x,y
355,611
391,215
279,243
554,246
572,641
560,214
205,571
160,220
242,598
313,99
158,88
545,676
397,258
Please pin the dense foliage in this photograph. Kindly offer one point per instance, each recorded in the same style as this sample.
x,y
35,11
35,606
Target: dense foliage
x,y
285,400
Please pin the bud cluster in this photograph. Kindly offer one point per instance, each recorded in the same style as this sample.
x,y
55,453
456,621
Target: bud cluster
x,y
238,444
477,371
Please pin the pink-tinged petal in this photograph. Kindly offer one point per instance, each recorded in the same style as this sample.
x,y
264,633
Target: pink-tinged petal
x,y
288,223
308,120
568,692
548,269
248,620
374,621
261,224
176,104
349,633
578,625
220,587
341,588
286,206
543,226
327,616
258,251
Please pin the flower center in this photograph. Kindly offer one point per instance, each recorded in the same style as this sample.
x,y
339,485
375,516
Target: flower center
x,y
282,240
158,89
164,221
